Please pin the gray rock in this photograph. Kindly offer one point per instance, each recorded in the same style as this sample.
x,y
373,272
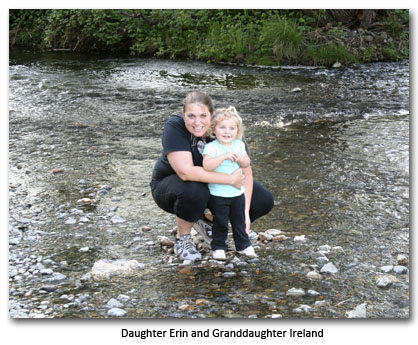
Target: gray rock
x,y
325,248
229,274
114,303
123,298
402,259
116,312
104,269
314,275
399,269
386,269
329,268
313,293
322,260
70,221
295,292
358,312
46,271
49,288
303,308
262,236
385,281
273,232
117,219
300,238
57,277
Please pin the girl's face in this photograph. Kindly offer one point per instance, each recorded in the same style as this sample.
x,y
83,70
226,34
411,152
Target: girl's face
x,y
197,119
226,131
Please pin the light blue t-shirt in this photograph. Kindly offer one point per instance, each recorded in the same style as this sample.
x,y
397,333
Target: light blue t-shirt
x,y
214,149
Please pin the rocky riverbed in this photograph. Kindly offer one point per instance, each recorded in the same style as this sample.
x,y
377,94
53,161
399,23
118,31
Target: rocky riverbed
x,y
86,240
128,268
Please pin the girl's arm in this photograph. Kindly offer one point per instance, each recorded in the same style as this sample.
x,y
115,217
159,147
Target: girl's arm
x,y
244,161
182,163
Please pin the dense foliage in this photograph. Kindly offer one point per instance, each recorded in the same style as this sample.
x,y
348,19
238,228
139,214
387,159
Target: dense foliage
x,y
270,37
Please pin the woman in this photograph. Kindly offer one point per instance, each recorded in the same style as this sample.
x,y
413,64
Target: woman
x,y
179,182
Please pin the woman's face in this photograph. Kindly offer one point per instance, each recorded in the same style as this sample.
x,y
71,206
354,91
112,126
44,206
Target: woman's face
x,y
197,119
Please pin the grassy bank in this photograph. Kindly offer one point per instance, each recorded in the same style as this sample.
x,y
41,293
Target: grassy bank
x,y
267,37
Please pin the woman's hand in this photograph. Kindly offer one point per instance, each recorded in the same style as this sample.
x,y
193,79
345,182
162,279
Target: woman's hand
x,y
238,179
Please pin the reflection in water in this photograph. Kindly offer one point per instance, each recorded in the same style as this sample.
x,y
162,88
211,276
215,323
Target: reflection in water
x,y
335,155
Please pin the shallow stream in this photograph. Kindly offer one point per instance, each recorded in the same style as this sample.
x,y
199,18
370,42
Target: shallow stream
x,y
331,144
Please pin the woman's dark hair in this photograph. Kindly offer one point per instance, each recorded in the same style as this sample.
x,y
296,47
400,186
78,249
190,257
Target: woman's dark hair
x,y
199,98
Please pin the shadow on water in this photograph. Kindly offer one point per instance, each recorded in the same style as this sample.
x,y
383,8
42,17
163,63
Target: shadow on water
x,y
331,144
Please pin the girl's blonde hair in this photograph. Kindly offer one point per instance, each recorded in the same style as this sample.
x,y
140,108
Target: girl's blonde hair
x,y
227,113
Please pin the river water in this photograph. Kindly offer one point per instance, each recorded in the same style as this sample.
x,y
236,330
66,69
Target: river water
x,y
331,144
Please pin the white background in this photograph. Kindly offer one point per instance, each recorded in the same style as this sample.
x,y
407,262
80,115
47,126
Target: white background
x,y
45,332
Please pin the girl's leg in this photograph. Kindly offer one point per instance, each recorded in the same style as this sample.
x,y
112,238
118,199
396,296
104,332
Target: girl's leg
x,y
237,218
220,209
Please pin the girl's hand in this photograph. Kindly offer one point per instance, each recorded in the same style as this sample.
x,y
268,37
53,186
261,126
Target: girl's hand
x,y
231,156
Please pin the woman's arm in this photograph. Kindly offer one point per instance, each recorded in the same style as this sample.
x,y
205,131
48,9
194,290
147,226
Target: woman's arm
x,y
248,184
211,163
182,163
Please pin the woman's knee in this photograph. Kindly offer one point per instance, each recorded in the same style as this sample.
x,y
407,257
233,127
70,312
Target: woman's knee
x,y
192,201
262,201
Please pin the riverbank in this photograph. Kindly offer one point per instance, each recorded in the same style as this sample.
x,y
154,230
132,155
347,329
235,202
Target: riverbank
x,y
262,37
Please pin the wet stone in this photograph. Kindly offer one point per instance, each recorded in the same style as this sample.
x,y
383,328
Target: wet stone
x,y
116,312
399,269
386,269
385,281
358,312
295,292
114,303
402,259
49,288
117,219
329,268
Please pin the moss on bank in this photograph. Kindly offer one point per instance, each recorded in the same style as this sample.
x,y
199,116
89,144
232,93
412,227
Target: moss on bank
x,y
266,37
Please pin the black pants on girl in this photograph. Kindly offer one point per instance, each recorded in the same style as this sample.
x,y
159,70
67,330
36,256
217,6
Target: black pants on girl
x,y
188,200
224,210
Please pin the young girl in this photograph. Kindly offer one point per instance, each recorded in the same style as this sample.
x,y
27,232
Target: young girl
x,y
227,154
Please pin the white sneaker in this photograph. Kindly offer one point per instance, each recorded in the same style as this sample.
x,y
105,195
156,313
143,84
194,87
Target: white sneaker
x,y
219,254
204,229
248,252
